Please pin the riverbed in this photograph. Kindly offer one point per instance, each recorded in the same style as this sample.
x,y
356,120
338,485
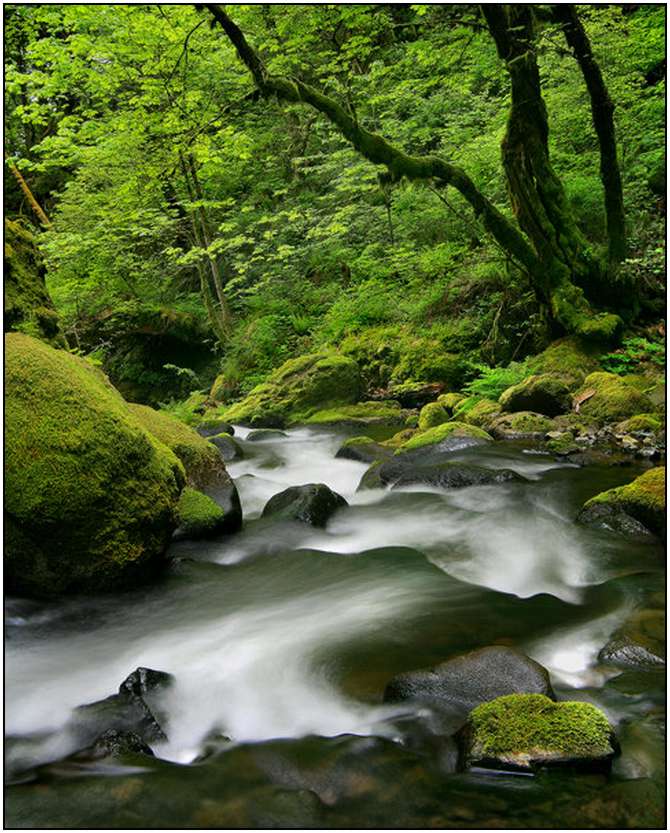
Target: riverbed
x,y
282,638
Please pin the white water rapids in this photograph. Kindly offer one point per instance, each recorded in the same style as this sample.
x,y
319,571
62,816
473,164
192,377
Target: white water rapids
x,y
250,654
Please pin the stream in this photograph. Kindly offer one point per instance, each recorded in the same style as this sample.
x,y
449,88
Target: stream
x,y
283,636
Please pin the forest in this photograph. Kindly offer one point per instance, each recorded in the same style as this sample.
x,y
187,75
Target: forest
x,y
335,416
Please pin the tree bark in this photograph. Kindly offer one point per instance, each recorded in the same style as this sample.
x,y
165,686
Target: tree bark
x,y
36,207
602,111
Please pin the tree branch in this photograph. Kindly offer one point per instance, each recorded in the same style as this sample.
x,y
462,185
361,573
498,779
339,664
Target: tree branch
x,y
376,148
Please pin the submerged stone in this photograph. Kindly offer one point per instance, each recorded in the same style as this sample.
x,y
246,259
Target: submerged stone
x,y
465,681
313,503
639,642
526,731
228,447
455,476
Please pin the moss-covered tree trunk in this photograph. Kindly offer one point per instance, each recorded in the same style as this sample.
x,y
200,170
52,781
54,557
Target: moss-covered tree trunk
x,y
537,195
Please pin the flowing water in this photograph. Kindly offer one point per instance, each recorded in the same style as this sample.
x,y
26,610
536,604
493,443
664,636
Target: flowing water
x,y
282,638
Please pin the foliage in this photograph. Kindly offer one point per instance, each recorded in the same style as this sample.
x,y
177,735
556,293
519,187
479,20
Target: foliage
x,y
493,381
633,353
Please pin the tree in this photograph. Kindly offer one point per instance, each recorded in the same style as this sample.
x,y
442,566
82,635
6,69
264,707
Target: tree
x,y
545,240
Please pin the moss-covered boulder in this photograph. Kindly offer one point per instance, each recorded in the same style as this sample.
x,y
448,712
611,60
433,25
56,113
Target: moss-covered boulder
x,y
448,436
480,412
643,500
640,423
524,425
526,731
543,393
431,415
298,389
199,516
90,494
569,358
204,466
28,306
449,401
210,427
562,444
612,398
363,413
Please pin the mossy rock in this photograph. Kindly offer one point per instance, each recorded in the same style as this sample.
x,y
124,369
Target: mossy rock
x,y
563,444
577,424
90,494
312,503
643,500
392,356
614,397
199,516
644,423
544,393
211,426
364,413
449,433
431,415
481,413
449,401
524,425
363,450
570,358
28,305
400,438
525,731
296,390
414,394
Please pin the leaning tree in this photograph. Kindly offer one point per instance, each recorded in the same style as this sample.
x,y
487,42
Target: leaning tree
x,y
582,291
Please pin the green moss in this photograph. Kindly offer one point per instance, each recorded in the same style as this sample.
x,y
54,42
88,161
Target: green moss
x,y
28,306
450,400
90,494
615,397
296,389
221,388
441,432
189,411
400,438
431,415
521,424
198,515
532,724
570,358
366,413
481,413
544,393
643,499
640,422
396,355
358,441
563,444
198,456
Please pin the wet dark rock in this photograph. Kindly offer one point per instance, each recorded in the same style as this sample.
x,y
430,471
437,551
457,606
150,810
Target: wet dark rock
x,y
638,643
115,744
261,434
461,683
364,450
210,428
135,709
313,503
229,449
456,476
614,519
